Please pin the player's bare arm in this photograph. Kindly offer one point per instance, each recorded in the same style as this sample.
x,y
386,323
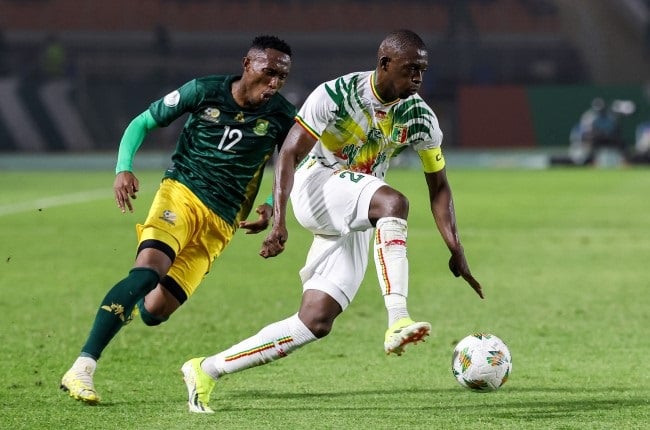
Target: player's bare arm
x,y
125,187
295,148
442,207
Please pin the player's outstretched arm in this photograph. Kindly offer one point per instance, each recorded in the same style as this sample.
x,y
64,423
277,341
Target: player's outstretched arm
x,y
295,148
442,207
126,185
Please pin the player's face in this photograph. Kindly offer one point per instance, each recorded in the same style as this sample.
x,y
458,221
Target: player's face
x,y
265,72
405,72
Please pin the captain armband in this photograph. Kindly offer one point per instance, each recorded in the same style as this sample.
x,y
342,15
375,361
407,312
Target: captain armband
x,y
432,160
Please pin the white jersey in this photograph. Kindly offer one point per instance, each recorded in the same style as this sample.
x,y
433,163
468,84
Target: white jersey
x,y
358,131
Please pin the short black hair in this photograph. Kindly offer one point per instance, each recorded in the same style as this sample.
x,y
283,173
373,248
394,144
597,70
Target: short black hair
x,y
403,38
271,42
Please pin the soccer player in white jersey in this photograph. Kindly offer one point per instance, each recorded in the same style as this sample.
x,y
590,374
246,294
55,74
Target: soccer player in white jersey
x,y
332,165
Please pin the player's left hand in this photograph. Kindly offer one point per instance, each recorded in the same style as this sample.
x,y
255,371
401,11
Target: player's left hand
x,y
459,267
265,213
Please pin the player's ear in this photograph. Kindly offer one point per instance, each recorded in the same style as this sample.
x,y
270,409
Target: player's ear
x,y
246,63
383,62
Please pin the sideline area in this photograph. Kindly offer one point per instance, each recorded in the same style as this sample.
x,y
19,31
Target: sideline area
x,y
149,160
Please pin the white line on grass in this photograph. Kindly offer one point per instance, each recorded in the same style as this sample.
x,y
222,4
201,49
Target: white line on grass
x,y
49,202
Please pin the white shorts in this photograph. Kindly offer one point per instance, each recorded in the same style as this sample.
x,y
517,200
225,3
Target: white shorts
x,y
334,204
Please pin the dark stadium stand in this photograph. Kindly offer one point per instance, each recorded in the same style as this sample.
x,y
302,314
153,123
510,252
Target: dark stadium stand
x,y
117,66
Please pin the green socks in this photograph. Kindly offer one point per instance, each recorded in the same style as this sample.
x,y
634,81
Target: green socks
x,y
115,310
147,317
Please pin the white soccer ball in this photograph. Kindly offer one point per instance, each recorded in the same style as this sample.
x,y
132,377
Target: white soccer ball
x,y
481,362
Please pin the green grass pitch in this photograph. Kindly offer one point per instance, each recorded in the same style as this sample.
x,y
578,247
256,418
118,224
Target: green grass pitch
x,y
562,255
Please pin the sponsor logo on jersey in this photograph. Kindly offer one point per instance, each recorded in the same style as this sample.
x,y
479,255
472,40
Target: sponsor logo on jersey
x,y
211,114
261,127
169,217
399,134
172,99
380,114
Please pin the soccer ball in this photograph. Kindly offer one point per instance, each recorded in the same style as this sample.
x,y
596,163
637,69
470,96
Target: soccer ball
x,y
481,362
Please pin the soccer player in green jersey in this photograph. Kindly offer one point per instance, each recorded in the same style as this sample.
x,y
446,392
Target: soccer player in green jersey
x,y
333,165
235,123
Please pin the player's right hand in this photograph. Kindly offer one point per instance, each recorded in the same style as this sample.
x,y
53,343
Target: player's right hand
x,y
274,242
125,187
459,267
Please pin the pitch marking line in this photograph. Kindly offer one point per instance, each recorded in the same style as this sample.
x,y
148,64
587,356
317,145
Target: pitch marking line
x,y
50,202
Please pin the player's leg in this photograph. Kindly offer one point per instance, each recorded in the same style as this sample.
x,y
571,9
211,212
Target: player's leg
x,y
156,307
333,284
346,201
114,312
159,241
274,341
277,340
190,267
388,211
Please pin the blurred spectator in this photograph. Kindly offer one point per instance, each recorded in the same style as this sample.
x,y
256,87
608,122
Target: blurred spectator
x,y
53,61
641,153
599,127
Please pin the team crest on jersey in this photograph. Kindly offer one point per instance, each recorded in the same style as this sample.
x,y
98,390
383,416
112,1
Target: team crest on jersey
x,y
169,217
399,134
261,127
211,114
172,99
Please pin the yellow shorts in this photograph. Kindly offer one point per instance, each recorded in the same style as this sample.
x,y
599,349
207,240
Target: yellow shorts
x,y
195,233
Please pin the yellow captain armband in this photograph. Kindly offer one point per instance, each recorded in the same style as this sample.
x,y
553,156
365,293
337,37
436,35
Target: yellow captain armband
x,y
432,159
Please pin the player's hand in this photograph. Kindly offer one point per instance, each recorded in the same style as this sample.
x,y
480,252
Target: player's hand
x,y
274,242
265,212
459,267
125,187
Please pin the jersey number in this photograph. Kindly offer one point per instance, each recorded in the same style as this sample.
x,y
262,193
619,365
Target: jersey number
x,y
351,176
232,135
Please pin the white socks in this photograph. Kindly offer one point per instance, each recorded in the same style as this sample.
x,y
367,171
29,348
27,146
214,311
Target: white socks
x,y
390,256
396,307
274,341
85,364
392,265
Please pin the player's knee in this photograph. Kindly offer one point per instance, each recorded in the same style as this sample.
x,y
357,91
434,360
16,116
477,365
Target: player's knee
x,y
399,205
388,202
320,330
320,327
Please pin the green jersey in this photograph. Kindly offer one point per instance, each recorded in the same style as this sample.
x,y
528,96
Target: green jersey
x,y
222,149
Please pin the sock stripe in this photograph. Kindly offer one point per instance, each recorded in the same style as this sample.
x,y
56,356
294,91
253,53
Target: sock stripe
x,y
259,349
381,261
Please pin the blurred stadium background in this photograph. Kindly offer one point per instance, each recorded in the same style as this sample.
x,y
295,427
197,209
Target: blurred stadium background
x,y
504,75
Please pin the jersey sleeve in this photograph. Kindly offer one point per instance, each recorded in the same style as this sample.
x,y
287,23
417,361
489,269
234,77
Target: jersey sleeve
x,y
424,130
176,103
132,139
318,110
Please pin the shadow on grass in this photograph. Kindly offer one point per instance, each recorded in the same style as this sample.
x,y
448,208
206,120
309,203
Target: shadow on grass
x,y
506,403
